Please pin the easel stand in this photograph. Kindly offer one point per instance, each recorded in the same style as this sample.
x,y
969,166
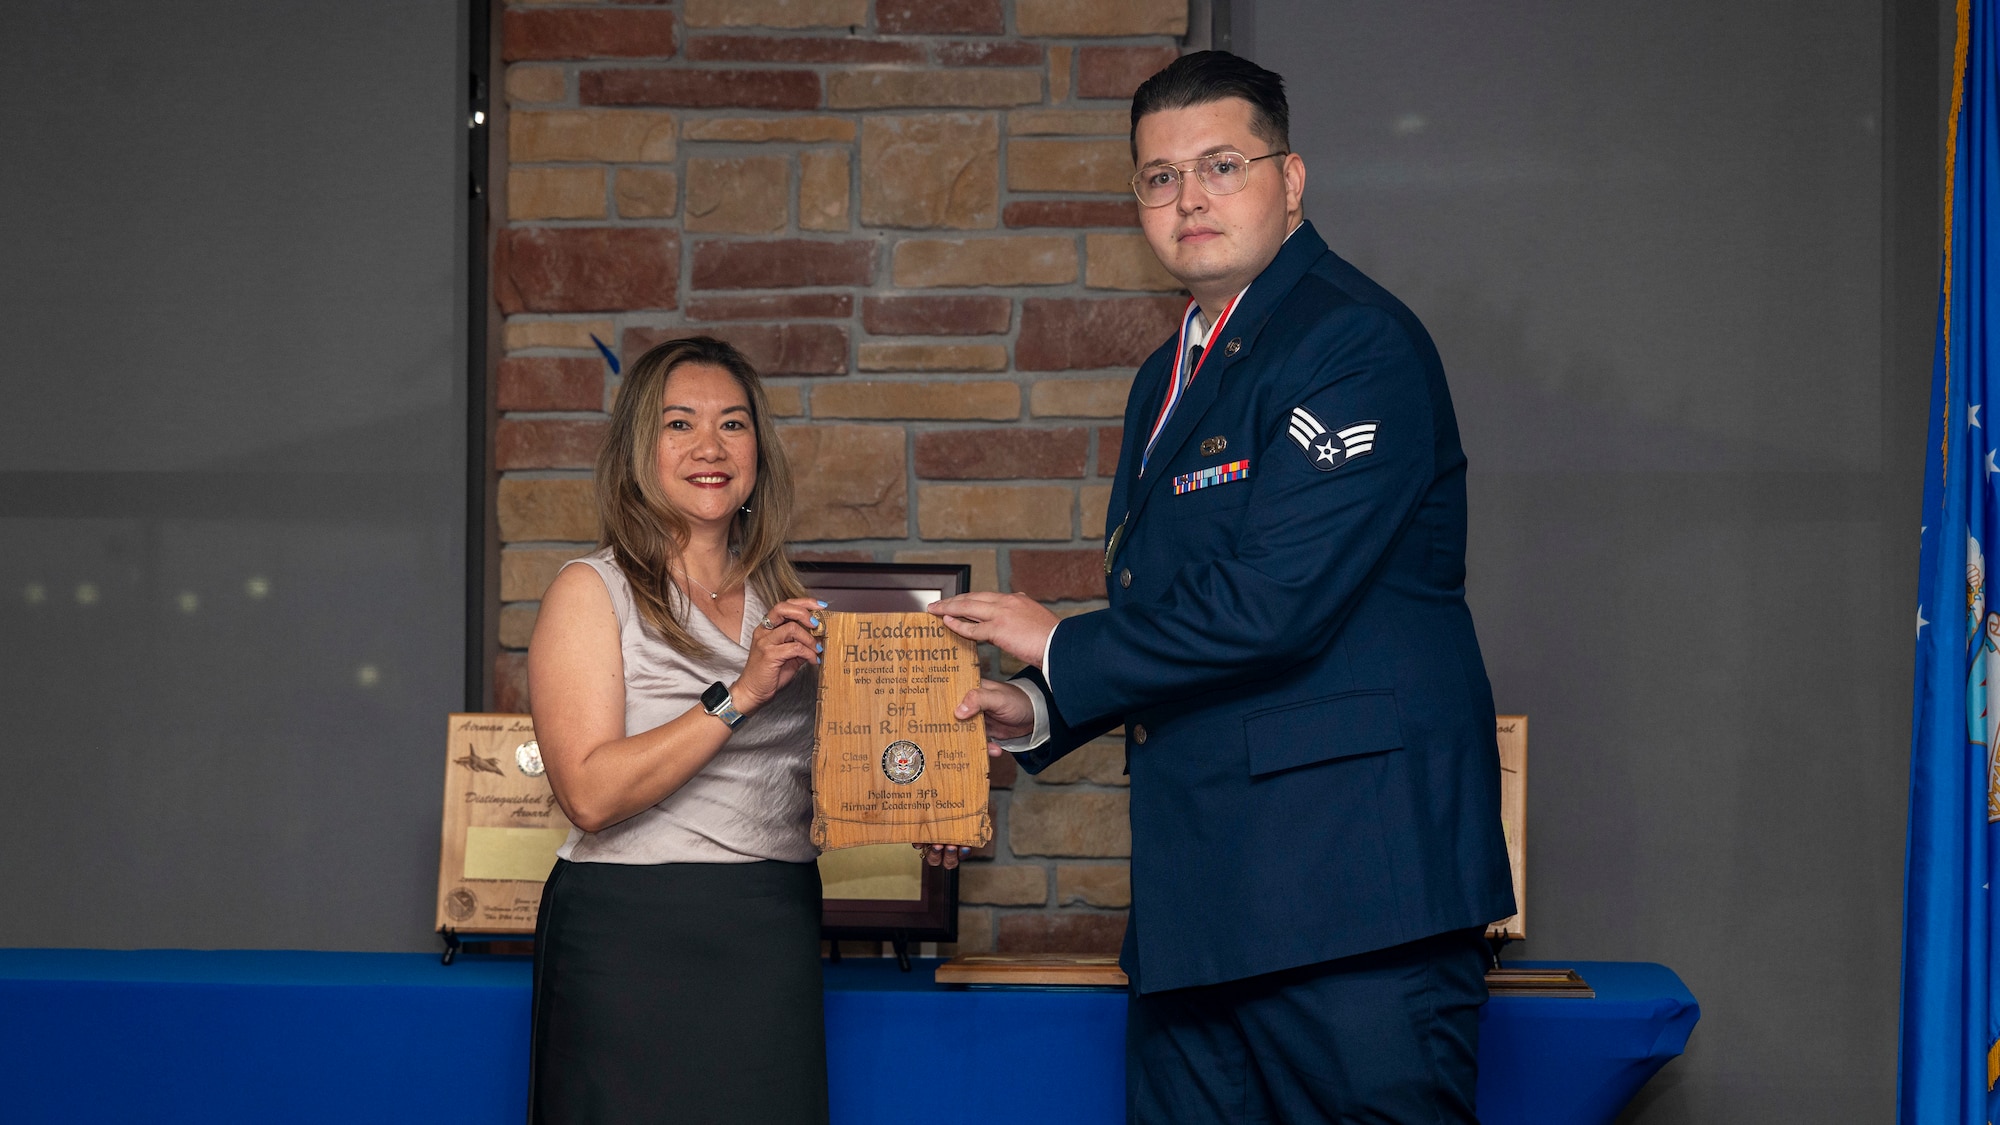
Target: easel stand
x,y
454,945
899,941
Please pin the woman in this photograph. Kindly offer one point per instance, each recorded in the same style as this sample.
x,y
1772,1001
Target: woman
x,y
677,954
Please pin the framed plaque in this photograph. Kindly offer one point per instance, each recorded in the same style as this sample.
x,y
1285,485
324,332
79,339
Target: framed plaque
x,y
1513,736
502,827
883,892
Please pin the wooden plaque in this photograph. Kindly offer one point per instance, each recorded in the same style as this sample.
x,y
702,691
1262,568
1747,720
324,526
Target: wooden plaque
x,y
1559,983
502,827
1037,970
1513,734
891,764
885,892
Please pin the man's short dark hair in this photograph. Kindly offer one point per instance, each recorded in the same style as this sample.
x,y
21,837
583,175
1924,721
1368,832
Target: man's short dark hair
x,y
1210,76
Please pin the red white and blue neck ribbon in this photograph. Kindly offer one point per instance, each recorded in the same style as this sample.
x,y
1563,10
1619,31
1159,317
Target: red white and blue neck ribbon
x,y
1182,376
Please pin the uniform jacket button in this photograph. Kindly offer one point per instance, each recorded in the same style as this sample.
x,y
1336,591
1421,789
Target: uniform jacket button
x,y
1125,578
1139,733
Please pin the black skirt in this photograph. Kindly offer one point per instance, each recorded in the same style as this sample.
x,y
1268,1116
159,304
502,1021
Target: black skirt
x,y
678,992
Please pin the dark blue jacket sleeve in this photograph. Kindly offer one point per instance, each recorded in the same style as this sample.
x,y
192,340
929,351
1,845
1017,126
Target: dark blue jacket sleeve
x,y
1062,737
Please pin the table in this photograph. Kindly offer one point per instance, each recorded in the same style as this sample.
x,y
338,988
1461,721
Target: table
x,y
1544,1060
173,1036
901,1049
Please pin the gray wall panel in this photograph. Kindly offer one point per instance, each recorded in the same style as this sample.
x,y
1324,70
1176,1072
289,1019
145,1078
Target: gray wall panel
x,y
232,469
1651,243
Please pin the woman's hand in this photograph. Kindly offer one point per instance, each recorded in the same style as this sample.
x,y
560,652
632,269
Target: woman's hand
x,y
946,854
780,645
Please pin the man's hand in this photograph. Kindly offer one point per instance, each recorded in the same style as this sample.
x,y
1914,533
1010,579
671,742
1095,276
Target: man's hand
x,y
1008,715
1014,623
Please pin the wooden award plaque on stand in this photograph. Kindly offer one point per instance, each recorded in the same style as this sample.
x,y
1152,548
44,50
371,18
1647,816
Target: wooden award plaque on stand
x,y
885,893
891,763
1502,980
502,827
1512,732
1033,970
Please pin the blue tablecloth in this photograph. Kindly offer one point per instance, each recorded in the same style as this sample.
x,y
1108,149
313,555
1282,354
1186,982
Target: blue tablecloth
x,y
170,1036
1544,1060
176,1036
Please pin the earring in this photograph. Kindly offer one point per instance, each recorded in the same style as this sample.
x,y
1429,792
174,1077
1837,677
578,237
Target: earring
x,y
745,509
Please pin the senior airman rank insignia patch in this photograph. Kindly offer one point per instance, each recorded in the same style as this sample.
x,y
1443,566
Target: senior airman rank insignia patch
x,y
1329,451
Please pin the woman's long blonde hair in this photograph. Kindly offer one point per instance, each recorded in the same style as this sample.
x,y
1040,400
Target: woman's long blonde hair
x,y
645,532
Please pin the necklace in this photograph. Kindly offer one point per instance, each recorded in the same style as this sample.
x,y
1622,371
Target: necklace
x,y
689,576
712,595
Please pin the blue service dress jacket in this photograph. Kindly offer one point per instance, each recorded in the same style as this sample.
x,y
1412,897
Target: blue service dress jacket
x,y
1309,727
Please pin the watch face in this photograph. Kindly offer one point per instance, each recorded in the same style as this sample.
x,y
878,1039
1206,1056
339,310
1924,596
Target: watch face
x,y
715,696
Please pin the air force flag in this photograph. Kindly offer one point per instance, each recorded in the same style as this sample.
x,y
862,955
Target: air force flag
x,y
1951,963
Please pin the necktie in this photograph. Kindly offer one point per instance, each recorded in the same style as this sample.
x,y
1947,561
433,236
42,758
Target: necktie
x,y
1185,377
1181,379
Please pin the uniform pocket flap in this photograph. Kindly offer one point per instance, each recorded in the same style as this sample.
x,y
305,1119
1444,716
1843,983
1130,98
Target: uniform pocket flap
x,y
1320,730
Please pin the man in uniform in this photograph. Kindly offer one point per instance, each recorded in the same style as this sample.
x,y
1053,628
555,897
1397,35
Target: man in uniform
x,y
1316,842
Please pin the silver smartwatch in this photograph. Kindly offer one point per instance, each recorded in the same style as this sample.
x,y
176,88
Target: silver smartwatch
x,y
716,702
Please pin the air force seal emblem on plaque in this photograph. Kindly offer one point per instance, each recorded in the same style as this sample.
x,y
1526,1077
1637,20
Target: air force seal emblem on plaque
x,y
1329,451
903,762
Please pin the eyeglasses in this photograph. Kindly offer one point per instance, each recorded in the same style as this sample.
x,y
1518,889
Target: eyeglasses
x,y
1220,173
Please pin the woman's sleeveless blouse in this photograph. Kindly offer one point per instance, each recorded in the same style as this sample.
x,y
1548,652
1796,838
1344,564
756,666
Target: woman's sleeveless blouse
x,y
753,800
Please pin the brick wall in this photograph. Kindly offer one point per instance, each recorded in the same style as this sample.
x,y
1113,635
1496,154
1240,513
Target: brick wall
x,y
913,216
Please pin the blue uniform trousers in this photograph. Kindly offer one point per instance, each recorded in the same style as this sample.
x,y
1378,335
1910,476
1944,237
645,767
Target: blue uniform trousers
x,y
1389,1037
